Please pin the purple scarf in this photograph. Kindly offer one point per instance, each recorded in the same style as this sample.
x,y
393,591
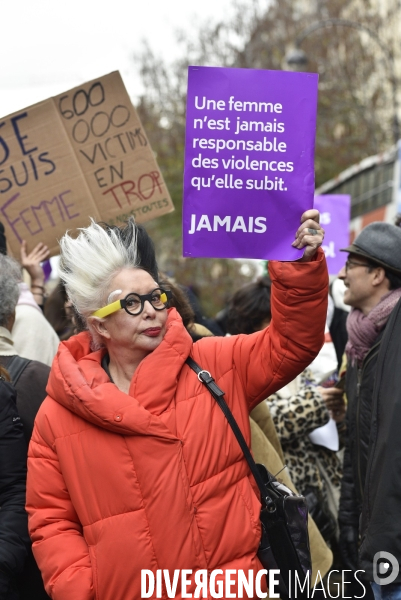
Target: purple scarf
x,y
363,330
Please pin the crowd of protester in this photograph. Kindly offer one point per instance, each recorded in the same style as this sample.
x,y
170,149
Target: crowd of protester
x,y
319,379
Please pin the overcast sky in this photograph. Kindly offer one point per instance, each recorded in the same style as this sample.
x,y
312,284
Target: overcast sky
x,y
50,46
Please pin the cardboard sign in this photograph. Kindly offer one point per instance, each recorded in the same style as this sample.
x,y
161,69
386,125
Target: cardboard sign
x,y
81,154
249,161
335,215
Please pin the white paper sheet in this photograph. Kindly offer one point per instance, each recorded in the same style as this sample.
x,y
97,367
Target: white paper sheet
x,y
326,436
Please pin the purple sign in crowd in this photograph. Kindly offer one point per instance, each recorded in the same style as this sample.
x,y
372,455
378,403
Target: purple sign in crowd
x,y
249,161
335,212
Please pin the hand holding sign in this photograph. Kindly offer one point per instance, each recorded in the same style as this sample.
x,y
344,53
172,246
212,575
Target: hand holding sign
x,y
309,235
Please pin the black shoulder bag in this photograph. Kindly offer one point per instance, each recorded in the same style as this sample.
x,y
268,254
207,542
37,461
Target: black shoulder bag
x,y
284,544
16,366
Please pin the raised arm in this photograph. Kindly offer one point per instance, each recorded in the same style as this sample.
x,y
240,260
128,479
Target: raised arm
x,y
267,360
32,263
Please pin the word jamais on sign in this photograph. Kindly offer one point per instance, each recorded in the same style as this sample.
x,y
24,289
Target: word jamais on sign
x,y
78,155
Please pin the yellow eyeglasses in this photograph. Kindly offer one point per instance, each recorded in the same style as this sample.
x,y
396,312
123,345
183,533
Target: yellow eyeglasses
x,y
133,303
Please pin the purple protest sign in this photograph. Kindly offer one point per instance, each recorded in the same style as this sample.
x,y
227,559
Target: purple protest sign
x,y
47,269
249,161
335,213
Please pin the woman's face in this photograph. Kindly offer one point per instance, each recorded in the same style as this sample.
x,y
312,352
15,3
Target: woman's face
x,y
140,333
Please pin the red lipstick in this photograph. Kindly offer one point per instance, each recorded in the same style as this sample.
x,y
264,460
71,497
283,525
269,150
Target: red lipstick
x,y
152,331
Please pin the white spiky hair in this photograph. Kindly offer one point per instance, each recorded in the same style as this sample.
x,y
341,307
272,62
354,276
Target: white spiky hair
x,y
90,261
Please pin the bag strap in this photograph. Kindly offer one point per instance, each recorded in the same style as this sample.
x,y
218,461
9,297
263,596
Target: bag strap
x,y
16,366
206,378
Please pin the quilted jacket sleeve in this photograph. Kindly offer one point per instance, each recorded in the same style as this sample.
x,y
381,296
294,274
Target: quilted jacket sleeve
x,y
269,359
58,544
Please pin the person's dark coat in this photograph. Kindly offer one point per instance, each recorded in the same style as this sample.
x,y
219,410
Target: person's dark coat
x,y
380,522
359,389
30,387
14,539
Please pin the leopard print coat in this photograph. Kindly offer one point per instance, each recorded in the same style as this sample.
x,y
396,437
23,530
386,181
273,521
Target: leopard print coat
x,y
295,416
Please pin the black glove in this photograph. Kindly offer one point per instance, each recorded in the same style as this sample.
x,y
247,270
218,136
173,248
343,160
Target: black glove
x,y
348,543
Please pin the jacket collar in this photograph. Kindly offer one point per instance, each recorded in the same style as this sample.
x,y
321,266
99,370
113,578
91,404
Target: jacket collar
x,y
78,382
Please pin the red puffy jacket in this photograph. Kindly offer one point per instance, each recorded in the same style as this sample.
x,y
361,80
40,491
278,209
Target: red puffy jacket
x,y
155,479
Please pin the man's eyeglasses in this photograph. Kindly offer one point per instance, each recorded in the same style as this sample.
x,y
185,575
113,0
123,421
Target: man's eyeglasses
x,y
352,263
133,303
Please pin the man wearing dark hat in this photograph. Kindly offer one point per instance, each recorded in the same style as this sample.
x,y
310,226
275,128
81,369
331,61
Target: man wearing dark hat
x,y
372,277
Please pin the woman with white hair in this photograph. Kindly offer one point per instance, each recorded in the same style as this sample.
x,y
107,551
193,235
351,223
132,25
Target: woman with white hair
x,y
132,466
